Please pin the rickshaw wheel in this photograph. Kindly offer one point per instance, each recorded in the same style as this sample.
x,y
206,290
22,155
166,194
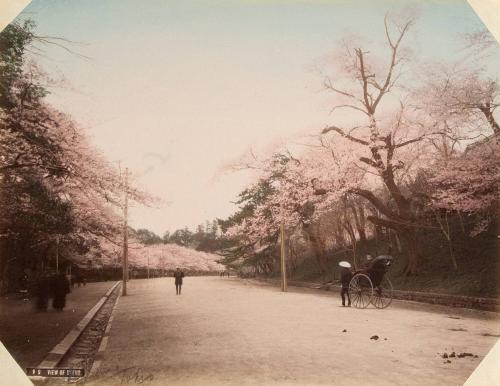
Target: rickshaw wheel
x,y
382,295
360,290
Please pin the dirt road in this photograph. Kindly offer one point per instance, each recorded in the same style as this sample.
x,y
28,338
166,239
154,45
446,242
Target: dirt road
x,y
232,332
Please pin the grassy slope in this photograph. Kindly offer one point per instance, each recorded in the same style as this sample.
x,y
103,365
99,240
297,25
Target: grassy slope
x,y
478,271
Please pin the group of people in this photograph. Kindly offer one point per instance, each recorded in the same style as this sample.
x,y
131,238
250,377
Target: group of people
x,y
52,286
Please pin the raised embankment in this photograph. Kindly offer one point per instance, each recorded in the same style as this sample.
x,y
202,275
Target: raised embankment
x,y
485,304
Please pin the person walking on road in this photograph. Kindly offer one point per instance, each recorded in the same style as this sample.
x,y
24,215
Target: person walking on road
x,y
345,279
178,274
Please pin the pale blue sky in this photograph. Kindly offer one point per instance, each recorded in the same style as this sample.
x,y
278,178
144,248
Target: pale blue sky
x,y
177,88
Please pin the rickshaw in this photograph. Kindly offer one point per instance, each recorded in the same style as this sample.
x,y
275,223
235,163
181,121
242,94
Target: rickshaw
x,y
371,285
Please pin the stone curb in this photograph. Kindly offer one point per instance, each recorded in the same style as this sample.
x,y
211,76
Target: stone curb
x,y
484,304
57,353
104,342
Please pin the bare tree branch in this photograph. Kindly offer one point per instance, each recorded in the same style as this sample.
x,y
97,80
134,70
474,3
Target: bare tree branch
x,y
348,106
343,134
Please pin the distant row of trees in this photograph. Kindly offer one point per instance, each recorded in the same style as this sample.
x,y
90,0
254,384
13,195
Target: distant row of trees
x,y
207,237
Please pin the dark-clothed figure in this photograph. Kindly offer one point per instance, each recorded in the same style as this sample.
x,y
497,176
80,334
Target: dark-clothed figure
x,y
61,289
377,269
80,279
42,290
345,278
368,262
178,274
23,282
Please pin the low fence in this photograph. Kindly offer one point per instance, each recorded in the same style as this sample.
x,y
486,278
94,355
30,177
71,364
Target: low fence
x,y
484,304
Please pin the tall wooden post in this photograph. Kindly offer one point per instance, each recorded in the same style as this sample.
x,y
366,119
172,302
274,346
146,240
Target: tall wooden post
x,y
283,258
125,236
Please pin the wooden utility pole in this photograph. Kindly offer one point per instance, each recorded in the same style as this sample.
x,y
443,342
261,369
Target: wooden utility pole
x,y
125,236
283,258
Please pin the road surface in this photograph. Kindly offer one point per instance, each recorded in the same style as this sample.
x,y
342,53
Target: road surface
x,y
237,332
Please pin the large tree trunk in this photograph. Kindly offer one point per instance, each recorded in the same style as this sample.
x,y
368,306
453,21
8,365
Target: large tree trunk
x,y
402,219
409,237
